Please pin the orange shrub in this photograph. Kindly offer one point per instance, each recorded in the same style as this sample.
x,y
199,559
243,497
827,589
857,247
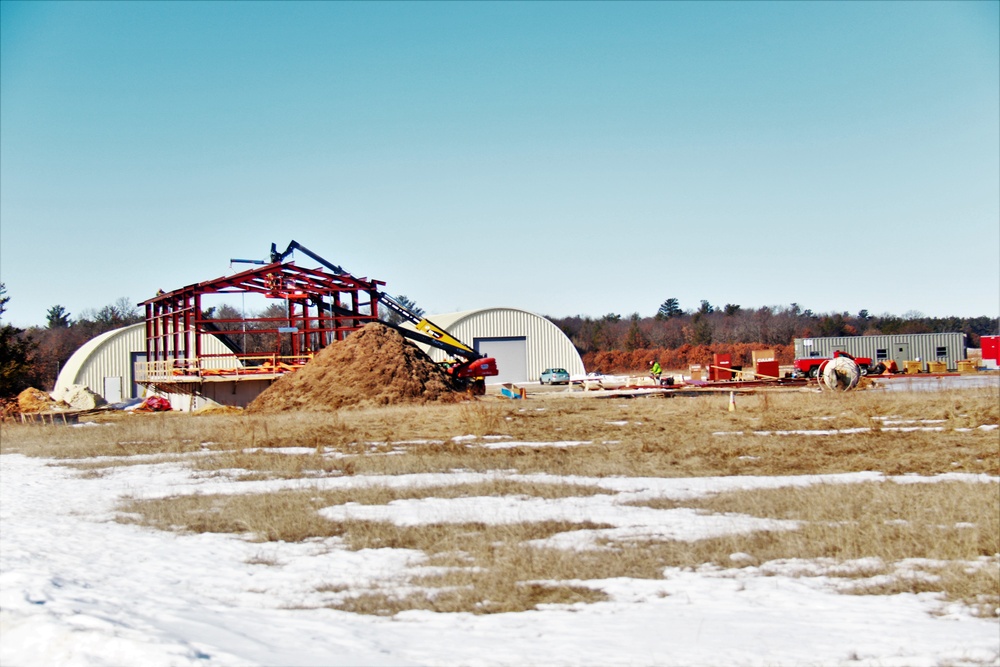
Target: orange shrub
x,y
637,361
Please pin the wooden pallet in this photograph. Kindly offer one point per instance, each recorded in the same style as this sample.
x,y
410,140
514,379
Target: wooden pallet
x,y
52,417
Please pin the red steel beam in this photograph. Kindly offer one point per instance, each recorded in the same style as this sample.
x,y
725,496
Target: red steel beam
x,y
174,322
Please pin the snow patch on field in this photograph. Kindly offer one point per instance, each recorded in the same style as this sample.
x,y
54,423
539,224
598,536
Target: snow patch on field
x,y
77,588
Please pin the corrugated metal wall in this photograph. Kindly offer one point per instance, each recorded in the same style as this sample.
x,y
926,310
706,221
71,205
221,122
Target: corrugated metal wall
x,y
547,345
924,347
112,357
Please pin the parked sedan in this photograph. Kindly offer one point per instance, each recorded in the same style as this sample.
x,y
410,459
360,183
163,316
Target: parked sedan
x,y
554,376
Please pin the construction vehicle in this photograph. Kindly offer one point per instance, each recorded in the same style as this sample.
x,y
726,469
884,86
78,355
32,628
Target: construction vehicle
x,y
813,366
469,368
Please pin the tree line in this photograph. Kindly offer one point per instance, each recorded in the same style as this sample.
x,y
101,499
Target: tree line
x,y
679,338
34,356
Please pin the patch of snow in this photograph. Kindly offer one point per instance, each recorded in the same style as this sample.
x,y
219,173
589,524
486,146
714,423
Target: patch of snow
x,y
851,431
383,443
77,588
280,450
521,443
888,420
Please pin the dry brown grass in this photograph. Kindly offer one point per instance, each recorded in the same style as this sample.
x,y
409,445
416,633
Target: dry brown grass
x,y
952,529
291,515
947,522
650,449
976,585
885,520
490,568
677,437
479,595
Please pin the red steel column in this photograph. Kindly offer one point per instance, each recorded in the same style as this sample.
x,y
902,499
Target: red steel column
x,y
197,328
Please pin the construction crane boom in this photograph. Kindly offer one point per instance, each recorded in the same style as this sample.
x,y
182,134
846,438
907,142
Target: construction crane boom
x,y
475,365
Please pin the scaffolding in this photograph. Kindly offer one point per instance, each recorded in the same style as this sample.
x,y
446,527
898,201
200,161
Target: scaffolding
x,y
321,307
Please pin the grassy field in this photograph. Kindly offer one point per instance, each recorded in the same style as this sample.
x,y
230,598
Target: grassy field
x,y
872,537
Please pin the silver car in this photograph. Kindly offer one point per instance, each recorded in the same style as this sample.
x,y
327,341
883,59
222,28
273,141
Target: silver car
x,y
554,376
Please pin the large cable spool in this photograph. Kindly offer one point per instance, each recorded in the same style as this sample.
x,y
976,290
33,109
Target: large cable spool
x,y
840,374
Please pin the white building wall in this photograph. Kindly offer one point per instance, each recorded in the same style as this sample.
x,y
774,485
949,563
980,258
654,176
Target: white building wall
x,y
106,355
546,345
110,355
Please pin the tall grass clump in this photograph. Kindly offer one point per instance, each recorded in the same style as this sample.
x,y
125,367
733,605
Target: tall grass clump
x,y
947,530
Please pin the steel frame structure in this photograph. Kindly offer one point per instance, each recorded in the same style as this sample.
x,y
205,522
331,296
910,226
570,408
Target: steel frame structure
x,y
321,307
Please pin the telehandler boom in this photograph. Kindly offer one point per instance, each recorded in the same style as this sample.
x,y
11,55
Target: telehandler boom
x,y
472,370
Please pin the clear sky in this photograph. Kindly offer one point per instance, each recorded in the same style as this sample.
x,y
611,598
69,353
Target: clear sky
x,y
565,158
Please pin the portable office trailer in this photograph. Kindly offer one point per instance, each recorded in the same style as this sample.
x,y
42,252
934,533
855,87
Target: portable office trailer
x,y
946,347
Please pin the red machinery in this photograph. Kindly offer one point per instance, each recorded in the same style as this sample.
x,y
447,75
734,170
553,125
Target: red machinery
x,y
813,366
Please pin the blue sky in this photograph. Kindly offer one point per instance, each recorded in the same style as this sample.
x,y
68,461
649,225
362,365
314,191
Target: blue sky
x,y
565,158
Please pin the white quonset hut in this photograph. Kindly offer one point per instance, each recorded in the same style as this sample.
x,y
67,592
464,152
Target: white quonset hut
x,y
106,363
524,344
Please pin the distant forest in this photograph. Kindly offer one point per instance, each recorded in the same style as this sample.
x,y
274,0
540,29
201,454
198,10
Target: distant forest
x,y
611,343
678,338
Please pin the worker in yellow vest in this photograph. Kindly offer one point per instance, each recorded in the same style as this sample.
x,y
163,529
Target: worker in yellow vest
x,y
655,370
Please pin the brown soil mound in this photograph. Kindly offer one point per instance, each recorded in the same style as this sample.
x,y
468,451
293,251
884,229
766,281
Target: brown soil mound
x,y
34,400
218,410
374,366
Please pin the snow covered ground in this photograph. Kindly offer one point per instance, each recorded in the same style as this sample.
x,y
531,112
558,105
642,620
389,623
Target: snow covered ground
x,y
77,588
936,383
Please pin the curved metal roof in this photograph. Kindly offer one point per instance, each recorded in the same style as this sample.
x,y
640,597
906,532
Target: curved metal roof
x,y
111,353
547,345
72,370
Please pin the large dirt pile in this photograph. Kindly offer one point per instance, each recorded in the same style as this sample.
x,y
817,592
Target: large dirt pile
x,y
373,366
